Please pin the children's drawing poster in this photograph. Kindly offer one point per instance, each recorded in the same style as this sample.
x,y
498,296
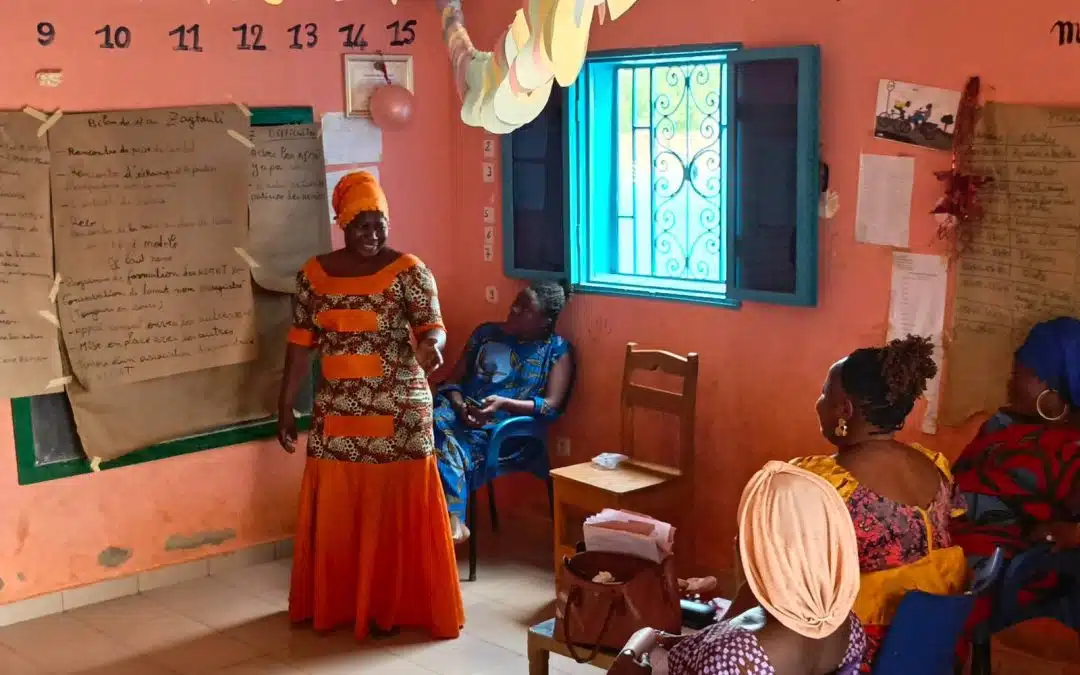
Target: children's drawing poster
x,y
917,115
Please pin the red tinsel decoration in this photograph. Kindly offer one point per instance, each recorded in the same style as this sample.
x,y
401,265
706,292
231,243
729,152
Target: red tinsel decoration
x,y
960,205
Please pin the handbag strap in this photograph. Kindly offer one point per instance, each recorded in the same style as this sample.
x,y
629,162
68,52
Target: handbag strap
x,y
574,594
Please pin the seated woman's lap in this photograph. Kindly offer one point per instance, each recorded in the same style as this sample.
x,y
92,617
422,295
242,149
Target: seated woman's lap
x,y
460,450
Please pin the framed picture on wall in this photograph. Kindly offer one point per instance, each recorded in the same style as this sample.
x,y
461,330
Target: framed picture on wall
x,y
364,72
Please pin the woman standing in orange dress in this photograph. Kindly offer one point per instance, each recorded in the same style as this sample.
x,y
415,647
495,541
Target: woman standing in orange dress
x,y
373,545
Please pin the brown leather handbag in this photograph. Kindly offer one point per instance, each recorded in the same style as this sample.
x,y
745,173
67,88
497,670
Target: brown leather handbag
x,y
605,615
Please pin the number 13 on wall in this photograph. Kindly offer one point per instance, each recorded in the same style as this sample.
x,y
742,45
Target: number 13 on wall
x,y
489,172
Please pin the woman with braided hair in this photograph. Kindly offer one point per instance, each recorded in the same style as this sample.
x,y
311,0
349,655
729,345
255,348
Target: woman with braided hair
x,y
900,496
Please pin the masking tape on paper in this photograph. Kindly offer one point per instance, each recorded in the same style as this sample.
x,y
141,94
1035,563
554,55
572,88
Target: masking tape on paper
x,y
297,413
50,317
36,114
58,382
48,124
241,139
95,464
246,256
243,108
55,290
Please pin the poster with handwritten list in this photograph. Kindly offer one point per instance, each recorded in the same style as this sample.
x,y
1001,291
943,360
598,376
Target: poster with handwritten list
x,y
287,204
1022,265
29,343
149,207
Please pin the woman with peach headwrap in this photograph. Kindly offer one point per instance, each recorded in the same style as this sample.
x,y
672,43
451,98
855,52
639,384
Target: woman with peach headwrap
x,y
800,558
373,545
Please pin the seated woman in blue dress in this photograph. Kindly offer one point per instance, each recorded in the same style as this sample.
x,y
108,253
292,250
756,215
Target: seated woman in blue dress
x,y
519,367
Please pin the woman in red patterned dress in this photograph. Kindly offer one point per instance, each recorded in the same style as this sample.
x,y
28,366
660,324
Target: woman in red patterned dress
x,y
373,545
1020,476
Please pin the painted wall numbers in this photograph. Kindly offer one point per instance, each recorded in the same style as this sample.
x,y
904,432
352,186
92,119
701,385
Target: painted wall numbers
x,y
187,38
404,33
114,38
46,33
249,36
309,39
354,36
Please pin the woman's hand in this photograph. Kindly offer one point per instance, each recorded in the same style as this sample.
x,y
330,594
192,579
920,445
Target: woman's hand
x,y
465,412
493,404
627,664
286,431
429,355
1061,535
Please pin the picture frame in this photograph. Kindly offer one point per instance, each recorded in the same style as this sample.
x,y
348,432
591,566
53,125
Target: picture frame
x,y
362,76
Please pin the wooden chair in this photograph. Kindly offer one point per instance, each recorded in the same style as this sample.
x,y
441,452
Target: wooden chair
x,y
664,492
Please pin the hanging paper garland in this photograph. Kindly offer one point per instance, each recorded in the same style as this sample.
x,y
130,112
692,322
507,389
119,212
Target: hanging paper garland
x,y
546,43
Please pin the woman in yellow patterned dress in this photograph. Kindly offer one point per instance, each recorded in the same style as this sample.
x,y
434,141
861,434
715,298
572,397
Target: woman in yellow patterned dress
x,y
373,545
900,496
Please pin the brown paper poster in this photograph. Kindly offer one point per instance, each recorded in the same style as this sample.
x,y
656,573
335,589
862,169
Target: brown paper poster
x,y
149,208
287,204
113,421
1023,264
29,339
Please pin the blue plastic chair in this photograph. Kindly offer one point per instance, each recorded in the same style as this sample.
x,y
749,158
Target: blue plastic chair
x,y
517,445
923,635
1007,611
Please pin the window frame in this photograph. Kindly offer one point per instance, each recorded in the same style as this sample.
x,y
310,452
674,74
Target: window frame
x,y
807,179
256,430
506,158
580,152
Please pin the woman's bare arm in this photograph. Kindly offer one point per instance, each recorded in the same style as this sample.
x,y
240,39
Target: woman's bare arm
x,y
297,365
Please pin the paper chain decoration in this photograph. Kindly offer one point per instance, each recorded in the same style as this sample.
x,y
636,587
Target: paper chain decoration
x,y
507,88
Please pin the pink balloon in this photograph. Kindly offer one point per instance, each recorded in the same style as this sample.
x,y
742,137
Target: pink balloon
x,y
391,107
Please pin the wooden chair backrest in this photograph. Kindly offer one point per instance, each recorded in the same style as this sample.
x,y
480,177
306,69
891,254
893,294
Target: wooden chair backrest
x,y
682,404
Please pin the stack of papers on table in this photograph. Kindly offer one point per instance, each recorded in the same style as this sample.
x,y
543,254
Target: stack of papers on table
x,y
630,533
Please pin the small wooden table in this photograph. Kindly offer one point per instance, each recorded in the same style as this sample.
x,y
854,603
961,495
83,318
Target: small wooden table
x,y
542,643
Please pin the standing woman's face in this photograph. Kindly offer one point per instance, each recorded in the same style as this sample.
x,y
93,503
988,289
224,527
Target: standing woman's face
x,y
366,234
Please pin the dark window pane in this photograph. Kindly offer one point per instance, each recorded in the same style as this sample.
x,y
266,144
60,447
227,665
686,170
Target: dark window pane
x,y
537,188
766,109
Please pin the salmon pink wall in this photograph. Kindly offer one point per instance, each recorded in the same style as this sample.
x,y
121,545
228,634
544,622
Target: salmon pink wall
x,y
762,366
52,533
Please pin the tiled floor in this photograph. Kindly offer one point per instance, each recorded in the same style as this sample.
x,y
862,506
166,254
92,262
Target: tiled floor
x,y
235,624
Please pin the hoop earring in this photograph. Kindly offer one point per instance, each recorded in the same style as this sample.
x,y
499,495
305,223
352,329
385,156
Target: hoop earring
x,y
1038,408
841,428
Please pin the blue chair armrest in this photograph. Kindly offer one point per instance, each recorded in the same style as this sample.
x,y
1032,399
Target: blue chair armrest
x,y
515,427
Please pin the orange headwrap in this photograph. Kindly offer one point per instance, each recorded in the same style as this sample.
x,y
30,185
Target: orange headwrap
x,y
355,193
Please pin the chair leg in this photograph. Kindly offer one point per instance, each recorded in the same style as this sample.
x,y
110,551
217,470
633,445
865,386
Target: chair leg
x,y
471,517
551,497
980,656
491,505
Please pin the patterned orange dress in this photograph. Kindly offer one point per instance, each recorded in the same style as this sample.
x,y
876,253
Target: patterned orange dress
x,y
373,543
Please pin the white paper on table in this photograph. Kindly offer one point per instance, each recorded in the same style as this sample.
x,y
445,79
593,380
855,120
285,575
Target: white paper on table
x,y
917,307
350,140
884,208
334,177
